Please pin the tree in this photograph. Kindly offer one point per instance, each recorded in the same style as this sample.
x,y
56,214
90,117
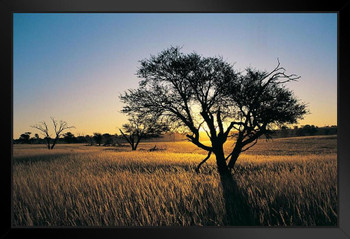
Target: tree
x,y
98,138
310,129
107,139
59,127
24,138
284,131
81,139
196,93
69,137
141,128
89,139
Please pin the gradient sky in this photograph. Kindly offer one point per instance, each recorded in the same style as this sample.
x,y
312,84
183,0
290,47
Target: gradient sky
x,y
74,66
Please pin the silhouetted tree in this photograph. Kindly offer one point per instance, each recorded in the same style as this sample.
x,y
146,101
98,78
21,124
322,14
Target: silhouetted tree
x,y
284,131
326,131
69,137
117,140
98,138
59,127
81,139
24,138
141,128
36,139
306,130
89,139
195,92
42,126
310,129
107,139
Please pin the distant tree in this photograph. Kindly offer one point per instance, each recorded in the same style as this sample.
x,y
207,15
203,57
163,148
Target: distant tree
x,y
89,139
117,139
310,129
197,93
42,126
36,139
284,131
107,139
140,128
327,130
98,138
59,127
69,137
81,139
32,140
307,130
24,138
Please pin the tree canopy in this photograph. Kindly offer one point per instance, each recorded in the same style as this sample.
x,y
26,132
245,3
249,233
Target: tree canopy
x,y
194,93
140,128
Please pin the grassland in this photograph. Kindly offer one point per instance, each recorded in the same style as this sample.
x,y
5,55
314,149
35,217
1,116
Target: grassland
x,y
286,182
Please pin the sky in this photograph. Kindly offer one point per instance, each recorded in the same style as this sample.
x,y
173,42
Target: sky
x,y
74,66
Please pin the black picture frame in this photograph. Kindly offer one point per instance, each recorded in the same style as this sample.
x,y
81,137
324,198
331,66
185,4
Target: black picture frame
x,y
342,8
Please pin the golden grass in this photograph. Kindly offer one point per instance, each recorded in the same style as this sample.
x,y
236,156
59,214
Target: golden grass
x,y
77,185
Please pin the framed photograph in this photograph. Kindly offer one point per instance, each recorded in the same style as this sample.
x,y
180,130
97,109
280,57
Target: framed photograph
x,y
200,119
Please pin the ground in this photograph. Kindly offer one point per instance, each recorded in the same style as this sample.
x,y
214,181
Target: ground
x,y
285,182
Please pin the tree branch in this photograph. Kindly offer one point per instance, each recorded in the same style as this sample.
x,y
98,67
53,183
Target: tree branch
x,y
203,161
219,120
125,137
256,140
195,140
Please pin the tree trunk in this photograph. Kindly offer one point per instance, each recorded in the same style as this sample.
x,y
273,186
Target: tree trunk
x,y
137,142
54,143
132,142
237,210
48,143
235,154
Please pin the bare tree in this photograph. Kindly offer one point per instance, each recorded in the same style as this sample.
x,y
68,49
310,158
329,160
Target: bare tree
x,y
194,93
43,128
59,127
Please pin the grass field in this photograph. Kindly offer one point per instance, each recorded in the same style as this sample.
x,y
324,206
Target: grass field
x,y
286,182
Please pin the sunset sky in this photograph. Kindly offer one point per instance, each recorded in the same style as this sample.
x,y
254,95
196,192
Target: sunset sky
x,y
74,66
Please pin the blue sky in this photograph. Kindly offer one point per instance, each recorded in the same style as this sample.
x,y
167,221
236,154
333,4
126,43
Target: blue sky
x,y
74,66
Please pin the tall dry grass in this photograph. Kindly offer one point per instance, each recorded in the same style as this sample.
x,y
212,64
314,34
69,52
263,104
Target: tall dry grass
x,y
99,186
